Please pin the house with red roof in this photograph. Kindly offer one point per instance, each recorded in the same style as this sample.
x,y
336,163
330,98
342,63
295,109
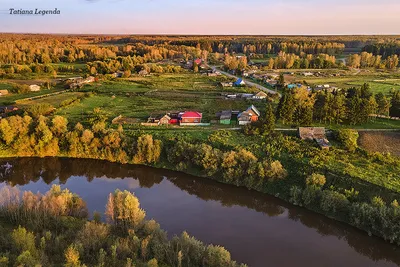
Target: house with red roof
x,y
198,61
190,117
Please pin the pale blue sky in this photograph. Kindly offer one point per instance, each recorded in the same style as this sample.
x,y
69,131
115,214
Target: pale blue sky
x,y
205,16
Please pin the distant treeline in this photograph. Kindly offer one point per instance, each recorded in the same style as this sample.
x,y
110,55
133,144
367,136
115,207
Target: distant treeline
x,y
384,49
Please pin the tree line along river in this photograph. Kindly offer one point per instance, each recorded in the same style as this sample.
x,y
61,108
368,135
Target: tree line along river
x,y
258,229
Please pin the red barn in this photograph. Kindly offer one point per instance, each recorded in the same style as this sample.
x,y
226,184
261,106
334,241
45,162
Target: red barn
x,y
190,117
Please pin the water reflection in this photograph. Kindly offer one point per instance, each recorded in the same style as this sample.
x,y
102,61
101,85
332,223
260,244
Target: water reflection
x,y
258,229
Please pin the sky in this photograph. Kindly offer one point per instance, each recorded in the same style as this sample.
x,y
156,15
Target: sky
x,y
263,17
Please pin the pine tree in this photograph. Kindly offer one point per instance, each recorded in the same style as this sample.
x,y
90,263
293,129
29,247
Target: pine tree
x,y
286,107
395,108
339,108
268,123
281,81
383,104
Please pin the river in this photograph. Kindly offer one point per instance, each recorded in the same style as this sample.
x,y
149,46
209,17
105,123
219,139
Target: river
x,y
257,229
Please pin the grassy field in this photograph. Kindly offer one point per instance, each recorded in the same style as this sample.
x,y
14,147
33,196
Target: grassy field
x,y
54,100
140,97
379,82
5,86
11,98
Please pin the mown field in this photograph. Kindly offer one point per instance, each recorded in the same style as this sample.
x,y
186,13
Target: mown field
x,y
387,142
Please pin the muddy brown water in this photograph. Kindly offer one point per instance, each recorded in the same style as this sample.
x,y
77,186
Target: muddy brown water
x,y
257,229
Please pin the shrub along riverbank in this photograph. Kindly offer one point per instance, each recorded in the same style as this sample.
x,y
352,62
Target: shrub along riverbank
x,y
344,183
53,230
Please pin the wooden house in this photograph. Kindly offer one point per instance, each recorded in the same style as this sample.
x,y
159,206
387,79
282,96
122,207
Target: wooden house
x,y
165,119
317,134
249,115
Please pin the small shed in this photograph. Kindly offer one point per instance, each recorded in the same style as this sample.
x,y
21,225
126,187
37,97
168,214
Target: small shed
x,y
3,92
34,88
260,95
225,117
226,84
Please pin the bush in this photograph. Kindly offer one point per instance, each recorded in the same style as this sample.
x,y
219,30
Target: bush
x,y
20,89
348,139
334,202
37,110
316,180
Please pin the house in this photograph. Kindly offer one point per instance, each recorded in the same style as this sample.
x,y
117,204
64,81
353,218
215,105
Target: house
x,y
75,79
89,79
118,74
198,61
190,117
271,82
224,84
225,117
249,115
143,73
231,96
254,112
165,119
7,109
3,92
247,96
239,82
34,88
260,95
174,117
244,118
315,133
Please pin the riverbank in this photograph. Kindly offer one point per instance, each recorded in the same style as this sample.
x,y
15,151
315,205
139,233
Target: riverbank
x,y
345,182
254,227
277,192
52,229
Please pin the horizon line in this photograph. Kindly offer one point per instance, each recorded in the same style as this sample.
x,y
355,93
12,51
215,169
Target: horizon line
x,y
201,34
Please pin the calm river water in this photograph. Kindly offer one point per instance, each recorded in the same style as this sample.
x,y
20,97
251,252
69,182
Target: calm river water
x,y
257,229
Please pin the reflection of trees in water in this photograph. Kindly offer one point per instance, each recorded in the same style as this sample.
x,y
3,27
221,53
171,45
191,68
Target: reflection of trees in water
x,y
25,170
372,247
228,195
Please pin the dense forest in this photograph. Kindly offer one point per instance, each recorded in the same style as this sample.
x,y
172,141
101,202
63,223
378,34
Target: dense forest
x,y
23,53
353,106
